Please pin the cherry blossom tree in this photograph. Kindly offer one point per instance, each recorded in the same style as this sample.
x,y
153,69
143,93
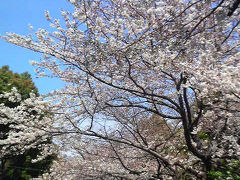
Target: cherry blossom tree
x,y
29,125
18,165
129,60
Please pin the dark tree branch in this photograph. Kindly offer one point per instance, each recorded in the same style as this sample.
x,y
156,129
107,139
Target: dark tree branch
x,y
233,8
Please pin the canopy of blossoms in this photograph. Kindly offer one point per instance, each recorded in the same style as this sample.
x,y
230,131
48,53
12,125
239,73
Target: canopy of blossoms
x,y
130,61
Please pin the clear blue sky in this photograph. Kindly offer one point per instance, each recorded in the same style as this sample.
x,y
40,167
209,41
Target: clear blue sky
x,y
15,16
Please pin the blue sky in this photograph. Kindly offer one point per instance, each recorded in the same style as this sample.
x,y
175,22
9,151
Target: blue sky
x,y
16,15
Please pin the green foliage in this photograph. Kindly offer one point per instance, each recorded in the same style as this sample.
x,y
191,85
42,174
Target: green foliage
x,y
226,170
203,136
20,167
23,83
215,174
